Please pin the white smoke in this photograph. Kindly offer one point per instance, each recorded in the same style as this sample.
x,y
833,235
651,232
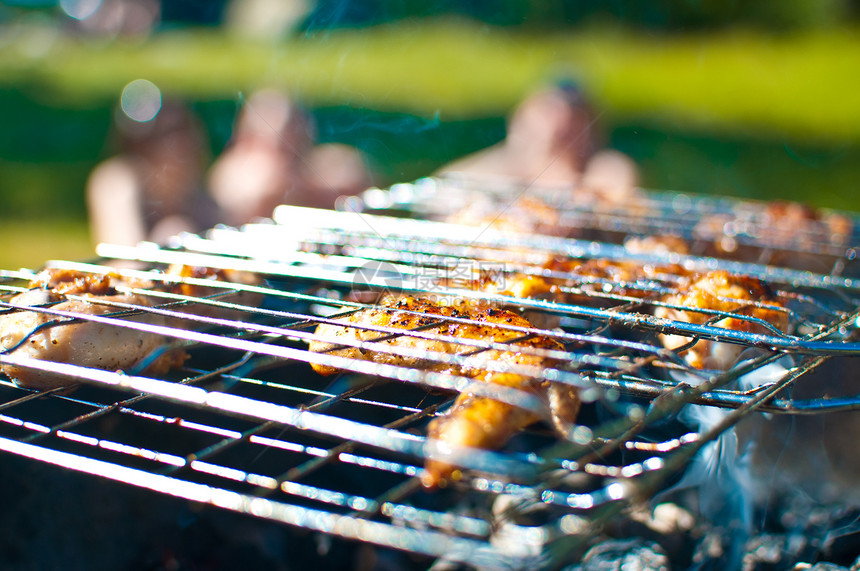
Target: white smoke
x,y
720,475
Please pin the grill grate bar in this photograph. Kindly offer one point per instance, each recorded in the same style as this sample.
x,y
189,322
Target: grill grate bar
x,y
646,211
313,320
287,486
629,470
784,342
611,316
347,229
669,402
195,461
225,403
324,394
439,380
822,281
234,439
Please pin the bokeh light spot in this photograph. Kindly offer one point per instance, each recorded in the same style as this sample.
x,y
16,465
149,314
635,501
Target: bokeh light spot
x,y
80,9
141,100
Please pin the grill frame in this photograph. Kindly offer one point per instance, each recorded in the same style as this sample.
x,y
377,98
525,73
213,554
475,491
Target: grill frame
x,y
627,462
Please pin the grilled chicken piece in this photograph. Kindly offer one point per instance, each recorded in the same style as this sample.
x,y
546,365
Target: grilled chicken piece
x,y
89,344
630,279
229,276
659,244
586,282
598,275
721,291
52,338
473,421
778,233
592,276
526,215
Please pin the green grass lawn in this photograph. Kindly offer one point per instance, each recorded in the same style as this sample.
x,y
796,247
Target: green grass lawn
x,y
30,243
801,85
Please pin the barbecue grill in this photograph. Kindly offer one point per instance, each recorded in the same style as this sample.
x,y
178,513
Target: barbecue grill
x,y
245,425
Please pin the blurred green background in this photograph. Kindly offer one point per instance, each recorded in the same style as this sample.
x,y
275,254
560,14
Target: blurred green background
x,y
757,101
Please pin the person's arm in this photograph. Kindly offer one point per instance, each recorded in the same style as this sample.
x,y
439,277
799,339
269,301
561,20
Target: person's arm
x,y
113,202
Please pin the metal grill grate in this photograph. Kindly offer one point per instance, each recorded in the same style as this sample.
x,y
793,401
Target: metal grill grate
x,y
777,233
246,425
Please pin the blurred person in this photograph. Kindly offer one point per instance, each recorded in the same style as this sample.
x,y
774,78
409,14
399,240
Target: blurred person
x,y
332,170
272,159
153,188
552,139
113,18
611,175
260,166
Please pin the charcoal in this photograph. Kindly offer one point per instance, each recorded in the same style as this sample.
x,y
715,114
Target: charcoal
x,y
842,546
626,554
840,536
771,552
831,532
668,524
713,551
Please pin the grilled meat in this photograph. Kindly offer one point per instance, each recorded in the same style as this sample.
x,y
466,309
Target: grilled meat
x,y
778,233
559,279
629,279
50,337
724,292
703,294
474,421
197,290
659,244
525,215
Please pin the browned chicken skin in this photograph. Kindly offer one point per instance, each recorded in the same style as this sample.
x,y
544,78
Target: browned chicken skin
x,y
712,291
591,276
480,422
613,277
721,291
778,233
474,421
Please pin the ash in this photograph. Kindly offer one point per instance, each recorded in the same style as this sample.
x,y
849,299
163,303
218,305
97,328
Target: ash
x,y
793,535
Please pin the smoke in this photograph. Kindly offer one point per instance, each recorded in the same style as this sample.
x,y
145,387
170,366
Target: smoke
x,y
721,475
401,145
810,457
385,123
329,15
